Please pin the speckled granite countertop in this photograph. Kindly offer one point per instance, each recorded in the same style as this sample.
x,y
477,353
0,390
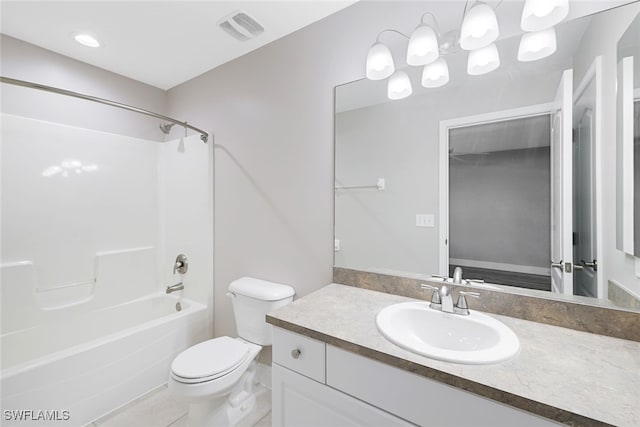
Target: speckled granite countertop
x,y
573,377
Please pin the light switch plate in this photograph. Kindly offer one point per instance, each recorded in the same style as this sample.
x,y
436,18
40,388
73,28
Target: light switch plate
x,y
336,245
425,220
637,267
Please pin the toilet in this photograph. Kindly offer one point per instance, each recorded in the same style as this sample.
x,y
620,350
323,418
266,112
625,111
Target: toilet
x,y
217,376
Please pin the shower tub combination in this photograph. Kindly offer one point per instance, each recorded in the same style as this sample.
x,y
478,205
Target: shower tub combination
x,y
87,216
80,361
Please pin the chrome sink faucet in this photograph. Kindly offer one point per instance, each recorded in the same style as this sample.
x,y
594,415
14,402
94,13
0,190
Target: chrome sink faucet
x,y
457,276
442,299
447,299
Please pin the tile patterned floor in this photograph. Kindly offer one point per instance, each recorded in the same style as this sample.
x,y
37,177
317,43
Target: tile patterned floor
x,y
160,409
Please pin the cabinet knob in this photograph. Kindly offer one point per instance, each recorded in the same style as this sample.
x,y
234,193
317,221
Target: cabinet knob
x,y
296,353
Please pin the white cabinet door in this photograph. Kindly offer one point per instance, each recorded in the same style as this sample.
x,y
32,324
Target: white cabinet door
x,y
301,402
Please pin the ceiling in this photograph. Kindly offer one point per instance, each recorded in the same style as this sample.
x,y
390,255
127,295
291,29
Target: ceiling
x,y
161,43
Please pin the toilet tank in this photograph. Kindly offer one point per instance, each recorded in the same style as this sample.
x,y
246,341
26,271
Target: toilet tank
x,y
252,300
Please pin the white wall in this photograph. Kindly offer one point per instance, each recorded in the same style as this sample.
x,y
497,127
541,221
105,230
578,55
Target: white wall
x,y
271,114
601,39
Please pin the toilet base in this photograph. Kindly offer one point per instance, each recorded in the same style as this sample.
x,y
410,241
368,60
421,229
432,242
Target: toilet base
x,y
206,414
229,409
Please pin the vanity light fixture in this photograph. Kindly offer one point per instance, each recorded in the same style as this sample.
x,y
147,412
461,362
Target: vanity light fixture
x,y
483,61
539,15
427,45
479,27
537,45
435,74
86,39
399,86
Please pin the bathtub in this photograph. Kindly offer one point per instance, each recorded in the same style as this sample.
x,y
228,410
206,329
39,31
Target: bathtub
x,y
71,372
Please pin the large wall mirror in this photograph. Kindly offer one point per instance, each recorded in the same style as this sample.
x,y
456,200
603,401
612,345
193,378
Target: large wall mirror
x,y
510,175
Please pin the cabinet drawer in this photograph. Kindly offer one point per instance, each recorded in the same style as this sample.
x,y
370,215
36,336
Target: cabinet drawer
x,y
299,353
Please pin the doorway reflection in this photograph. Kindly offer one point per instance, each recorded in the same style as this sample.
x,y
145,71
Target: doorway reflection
x,y
499,201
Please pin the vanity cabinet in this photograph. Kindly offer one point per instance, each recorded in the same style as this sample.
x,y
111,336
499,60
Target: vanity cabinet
x,y
317,384
301,397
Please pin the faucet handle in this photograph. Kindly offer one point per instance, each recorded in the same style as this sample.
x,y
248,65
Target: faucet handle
x,y
471,294
468,281
435,296
461,305
181,265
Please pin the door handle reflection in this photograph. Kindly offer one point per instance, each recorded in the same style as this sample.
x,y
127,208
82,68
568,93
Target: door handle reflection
x,y
593,264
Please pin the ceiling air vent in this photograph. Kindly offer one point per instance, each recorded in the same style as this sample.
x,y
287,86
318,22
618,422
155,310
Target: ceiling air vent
x,y
241,26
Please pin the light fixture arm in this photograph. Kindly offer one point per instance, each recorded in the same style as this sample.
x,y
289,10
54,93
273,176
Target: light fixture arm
x,y
464,12
392,31
435,22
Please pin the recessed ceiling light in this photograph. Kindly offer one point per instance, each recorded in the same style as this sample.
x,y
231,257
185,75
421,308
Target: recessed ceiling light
x,y
87,40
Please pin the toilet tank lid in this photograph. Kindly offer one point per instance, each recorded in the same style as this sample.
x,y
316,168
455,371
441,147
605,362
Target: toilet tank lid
x,y
261,289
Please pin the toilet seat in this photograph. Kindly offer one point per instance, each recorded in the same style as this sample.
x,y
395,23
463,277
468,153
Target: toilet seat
x,y
209,360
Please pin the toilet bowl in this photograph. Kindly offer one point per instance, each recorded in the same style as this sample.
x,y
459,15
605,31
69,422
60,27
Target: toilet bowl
x,y
217,376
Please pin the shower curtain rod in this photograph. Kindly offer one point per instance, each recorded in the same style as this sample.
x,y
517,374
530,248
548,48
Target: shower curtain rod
x,y
204,136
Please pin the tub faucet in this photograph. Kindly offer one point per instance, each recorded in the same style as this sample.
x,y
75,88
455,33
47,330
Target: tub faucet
x,y
173,288
457,276
181,265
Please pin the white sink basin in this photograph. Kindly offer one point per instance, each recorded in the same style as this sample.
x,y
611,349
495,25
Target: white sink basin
x,y
473,339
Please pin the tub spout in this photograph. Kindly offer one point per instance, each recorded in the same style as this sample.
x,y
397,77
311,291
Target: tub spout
x,y
177,287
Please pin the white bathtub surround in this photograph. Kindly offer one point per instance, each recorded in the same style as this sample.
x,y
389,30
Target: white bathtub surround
x,y
186,215
79,193
89,220
75,192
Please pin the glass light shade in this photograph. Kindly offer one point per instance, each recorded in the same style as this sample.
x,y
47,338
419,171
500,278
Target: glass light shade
x,y
537,45
482,61
399,86
379,62
435,74
538,15
423,46
479,27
